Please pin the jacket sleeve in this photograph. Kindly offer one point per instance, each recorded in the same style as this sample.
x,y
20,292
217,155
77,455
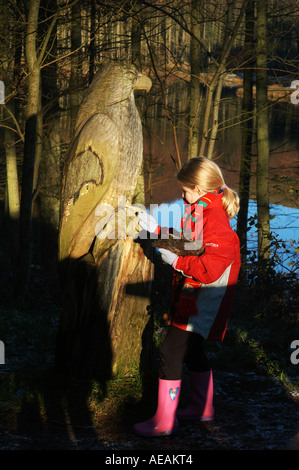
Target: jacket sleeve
x,y
220,243
206,268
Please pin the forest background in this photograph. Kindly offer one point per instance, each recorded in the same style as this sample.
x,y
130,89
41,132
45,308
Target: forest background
x,y
203,57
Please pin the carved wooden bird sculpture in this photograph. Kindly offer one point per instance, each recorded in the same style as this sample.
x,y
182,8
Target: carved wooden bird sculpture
x,y
105,155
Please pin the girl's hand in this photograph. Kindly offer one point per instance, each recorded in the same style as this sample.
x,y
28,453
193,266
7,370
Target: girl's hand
x,y
167,256
147,222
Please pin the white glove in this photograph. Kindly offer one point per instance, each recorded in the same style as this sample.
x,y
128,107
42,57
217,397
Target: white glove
x,y
147,222
167,256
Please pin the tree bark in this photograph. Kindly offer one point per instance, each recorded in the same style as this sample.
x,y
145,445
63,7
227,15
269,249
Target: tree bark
x,y
49,177
195,87
12,202
39,140
136,35
262,120
12,194
76,64
29,148
247,129
215,118
92,46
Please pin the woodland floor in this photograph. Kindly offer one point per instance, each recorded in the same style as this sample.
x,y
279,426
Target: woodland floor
x,y
252,413
252,410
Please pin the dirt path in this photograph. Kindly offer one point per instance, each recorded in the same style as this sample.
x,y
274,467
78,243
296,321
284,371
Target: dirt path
x,y
252,413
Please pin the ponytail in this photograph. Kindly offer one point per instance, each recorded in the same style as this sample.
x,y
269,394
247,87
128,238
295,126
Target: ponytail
x,y
230,202
203,172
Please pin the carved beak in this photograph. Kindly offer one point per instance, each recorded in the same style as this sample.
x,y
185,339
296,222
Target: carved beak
x,y
143,82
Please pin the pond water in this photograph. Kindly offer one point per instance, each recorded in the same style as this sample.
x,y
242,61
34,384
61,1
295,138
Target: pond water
x,y
284,228
162,190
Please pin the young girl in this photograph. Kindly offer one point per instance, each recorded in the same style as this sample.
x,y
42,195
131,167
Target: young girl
x,y
202,297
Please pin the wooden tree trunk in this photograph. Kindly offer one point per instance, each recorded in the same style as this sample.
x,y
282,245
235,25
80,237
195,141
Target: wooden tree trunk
x,y
195,92
247,129
29,148
12,202
76,63
12,193
49,197
105,328
136,34
106,275
92,46
48,175
215,119
262,122
10,53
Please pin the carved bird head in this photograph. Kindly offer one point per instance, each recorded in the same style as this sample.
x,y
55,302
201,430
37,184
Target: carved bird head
x,y
112,84
104,156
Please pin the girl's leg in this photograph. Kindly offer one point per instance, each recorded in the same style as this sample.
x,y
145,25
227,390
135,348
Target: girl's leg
x,y
172,354
201,379
195,358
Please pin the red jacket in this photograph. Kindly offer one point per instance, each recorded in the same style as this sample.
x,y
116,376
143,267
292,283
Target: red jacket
x,y
203,301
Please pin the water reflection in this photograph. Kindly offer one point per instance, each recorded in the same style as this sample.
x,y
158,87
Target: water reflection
x,y
284,228
160,153
160,150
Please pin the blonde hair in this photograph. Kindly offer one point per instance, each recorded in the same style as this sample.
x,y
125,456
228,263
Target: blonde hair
x,y
205,173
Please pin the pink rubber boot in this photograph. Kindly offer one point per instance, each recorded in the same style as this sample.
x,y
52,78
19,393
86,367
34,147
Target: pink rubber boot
x,y
201,406
164,421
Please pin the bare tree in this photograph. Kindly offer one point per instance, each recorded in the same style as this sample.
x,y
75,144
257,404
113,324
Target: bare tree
x,y
247,130
262,122
9,53
33,68
35,53
215,87
195,85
